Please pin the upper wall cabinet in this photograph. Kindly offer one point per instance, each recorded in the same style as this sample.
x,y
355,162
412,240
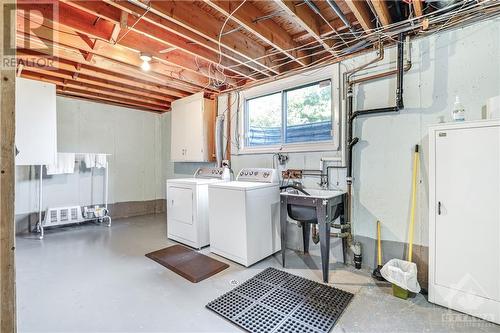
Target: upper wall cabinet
x,y
36,122
193,129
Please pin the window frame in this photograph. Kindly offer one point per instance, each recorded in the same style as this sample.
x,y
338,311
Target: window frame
x,y
281,87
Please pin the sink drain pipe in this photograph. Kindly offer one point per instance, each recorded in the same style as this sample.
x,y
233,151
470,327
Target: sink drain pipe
x,y
352,115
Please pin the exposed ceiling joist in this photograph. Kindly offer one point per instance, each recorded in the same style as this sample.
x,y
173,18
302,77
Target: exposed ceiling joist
x,y
168,81
66,81
305,18
271,33
132,41
65,86
188,16
417,6
382,11
64,73
186,51
69,39
362,13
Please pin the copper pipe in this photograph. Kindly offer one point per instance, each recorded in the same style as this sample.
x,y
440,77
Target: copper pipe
x,y
406,68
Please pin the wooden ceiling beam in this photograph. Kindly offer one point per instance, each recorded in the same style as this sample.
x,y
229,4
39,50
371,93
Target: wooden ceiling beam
x,y
109,67
93,81
269,32
124,101
84,24
382,11
362,12
338,25
98,73
119,54
306,19
103,98
61,80
140,26
67,36
169,27
417,7
188,16
108,101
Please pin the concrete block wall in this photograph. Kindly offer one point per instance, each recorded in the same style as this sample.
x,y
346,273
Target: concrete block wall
x,y
137,173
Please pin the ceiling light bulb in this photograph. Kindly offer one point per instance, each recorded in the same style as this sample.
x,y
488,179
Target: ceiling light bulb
x,y
145,56
146,66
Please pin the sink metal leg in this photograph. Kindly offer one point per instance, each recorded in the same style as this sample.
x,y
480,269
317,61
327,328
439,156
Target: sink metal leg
x,y
283,226
306,235
324,240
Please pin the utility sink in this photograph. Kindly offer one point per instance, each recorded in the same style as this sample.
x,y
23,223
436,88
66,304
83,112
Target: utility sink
x,y
307,213
316,194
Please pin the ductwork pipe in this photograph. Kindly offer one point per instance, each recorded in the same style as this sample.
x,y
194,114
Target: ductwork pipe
x,y
333,5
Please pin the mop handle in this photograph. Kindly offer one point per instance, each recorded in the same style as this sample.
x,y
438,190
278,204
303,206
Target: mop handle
x,y
413,204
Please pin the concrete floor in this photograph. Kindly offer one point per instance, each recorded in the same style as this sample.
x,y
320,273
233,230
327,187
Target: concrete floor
x,y
91,278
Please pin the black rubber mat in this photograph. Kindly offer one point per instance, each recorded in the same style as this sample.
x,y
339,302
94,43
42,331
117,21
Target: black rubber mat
x,y
274,301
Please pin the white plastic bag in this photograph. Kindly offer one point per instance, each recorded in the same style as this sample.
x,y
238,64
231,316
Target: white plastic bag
x,y
402,273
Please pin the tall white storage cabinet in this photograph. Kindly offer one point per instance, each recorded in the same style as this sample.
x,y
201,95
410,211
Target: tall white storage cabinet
x,y
192,129
464,217
36,122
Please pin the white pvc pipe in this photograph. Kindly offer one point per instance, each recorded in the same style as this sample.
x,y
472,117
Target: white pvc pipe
x,y
40,201
106,185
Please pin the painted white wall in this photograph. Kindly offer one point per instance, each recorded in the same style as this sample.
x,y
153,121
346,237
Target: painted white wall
x,y
135,140
463,62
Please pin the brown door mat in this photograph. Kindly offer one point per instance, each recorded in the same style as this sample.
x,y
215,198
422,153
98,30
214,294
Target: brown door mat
x,y
188,263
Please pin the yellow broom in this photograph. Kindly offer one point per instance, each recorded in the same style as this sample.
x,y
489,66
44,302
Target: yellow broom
x,y
413,205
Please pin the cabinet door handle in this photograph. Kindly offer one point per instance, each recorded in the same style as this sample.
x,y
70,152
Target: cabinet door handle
x,y
439,207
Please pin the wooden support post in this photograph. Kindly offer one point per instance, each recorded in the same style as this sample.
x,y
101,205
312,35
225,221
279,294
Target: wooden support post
x,y
7,179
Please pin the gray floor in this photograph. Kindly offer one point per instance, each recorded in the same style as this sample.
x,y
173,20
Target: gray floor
x,y
91,278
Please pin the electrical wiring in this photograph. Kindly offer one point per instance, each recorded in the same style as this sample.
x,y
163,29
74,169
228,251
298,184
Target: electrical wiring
x,y
375,32
400,26
133,25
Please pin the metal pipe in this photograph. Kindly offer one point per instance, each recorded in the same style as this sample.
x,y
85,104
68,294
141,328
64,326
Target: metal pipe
x,y
346,76
333,5
340,234
313,6
406,68
351,142
40,203
340,226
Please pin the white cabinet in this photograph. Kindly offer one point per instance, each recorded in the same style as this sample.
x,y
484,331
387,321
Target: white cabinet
x,y
464,217
192,129
36,122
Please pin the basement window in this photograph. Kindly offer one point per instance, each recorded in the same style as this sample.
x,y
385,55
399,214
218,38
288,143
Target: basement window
x,y
293,119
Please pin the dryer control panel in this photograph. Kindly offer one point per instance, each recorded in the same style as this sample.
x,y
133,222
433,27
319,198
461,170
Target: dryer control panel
x,y
262,175
209,173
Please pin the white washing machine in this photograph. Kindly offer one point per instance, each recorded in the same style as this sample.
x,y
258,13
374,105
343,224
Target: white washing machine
x,y
244,216
187,207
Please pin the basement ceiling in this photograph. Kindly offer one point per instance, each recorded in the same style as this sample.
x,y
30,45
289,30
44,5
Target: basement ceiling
x,y
91,49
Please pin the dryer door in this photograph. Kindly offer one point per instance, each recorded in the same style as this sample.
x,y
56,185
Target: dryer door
x,y
180,204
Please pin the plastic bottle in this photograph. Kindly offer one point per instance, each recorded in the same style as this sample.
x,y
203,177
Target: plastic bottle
x,y
458,113
226,174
